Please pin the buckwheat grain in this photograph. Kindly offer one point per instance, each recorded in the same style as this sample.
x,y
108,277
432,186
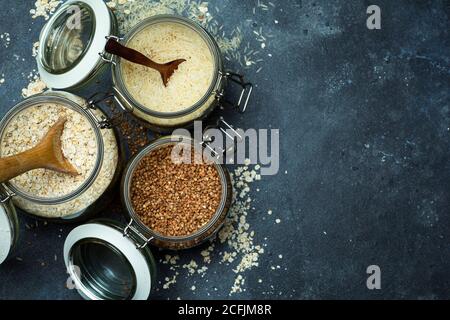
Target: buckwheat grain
x,y
174,199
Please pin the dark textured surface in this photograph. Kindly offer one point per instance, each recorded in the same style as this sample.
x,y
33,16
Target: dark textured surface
x,y
364,119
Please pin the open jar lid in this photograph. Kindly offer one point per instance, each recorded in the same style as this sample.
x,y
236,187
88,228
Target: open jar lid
x,y
105,263
9,227
71,41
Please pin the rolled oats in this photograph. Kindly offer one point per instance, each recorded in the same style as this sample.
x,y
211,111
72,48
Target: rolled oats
x,y
79,146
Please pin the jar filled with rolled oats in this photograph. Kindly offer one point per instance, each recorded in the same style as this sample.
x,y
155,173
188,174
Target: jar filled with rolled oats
x,y
88,142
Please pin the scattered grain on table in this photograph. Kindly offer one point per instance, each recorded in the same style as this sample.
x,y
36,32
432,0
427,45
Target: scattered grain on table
x,y
44,8
35,86
5,39
35,49
230,38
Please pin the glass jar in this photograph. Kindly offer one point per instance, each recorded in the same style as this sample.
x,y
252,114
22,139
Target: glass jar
x,y
90,196
136,226
106,265
165,121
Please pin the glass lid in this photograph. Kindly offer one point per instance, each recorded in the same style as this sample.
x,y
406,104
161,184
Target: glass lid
x,y
71,41
105,265
9,226
68,38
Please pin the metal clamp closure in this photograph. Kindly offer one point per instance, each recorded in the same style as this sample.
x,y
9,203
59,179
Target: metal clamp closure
x,y
230,133
104,122
246,91
108,58
6,197
130,227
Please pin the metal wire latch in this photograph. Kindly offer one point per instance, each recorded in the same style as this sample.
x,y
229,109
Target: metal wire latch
x,y
104,122
6,196
246,92
126,233
107,57
225,128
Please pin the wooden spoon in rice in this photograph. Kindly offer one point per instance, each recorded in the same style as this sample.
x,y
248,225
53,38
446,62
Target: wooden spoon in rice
x,y
166,70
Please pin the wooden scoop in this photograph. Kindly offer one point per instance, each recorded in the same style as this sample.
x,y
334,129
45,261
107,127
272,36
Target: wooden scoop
x,y
46,155
166,70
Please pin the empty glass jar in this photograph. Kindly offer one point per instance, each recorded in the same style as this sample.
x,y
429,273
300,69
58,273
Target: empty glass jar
x,y
106,265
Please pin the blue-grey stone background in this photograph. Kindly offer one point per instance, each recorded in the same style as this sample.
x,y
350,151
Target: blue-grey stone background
x,y
364,178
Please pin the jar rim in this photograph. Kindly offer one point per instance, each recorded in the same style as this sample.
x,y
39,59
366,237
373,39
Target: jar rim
x,y
89,287
128,176
206,36
49,98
